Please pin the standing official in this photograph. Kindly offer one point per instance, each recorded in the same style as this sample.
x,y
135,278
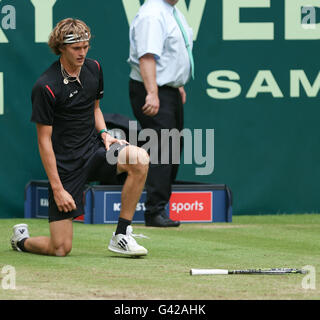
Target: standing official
x,y
161,64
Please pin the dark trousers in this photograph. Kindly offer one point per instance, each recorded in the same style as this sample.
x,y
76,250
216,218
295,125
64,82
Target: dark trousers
x,y
170,116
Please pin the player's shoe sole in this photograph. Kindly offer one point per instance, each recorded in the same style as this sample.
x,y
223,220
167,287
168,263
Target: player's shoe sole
x,y
127,252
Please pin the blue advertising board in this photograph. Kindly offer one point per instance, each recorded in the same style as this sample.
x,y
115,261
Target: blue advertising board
x,y
189,203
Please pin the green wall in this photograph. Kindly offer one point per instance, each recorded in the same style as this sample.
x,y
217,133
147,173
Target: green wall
x,y
257,85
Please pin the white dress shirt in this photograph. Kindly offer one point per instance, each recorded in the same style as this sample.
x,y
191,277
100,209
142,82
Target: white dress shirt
x,y
154,30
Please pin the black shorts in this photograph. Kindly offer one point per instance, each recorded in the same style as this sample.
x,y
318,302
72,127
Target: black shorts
x,y
96,169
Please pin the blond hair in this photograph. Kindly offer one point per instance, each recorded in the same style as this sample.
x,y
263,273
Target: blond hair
x,y
66,27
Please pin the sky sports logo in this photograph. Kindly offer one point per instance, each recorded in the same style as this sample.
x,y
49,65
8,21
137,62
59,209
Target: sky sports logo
x,y
187,206
191,206
183,206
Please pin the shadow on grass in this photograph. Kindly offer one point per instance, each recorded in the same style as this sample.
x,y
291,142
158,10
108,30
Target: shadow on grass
x,y
127,257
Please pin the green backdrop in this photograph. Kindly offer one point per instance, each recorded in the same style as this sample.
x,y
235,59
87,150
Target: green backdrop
x,y
257,85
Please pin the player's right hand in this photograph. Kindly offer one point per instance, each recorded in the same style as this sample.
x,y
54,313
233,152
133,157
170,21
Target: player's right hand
x,y
64,201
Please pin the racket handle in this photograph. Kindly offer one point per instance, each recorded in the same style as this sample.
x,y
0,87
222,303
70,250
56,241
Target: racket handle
x,y
195,272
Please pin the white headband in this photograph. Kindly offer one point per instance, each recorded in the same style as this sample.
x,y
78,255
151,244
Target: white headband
x,y
74,38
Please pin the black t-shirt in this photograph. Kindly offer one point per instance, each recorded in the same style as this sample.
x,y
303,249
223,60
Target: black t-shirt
x,y
69,109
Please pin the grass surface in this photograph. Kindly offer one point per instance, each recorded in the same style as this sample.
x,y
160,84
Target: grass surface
x,y
92,272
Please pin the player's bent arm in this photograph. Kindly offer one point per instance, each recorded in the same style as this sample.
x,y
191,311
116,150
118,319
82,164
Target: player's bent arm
x,y
100,124
98,116
63,199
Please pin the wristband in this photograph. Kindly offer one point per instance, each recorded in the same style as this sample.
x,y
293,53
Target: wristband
x,y
104,130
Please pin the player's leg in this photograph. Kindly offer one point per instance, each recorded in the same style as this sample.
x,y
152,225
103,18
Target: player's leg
x,y
122,161
58,244
135,162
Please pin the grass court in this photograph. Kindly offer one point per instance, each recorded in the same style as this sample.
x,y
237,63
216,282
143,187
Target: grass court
x,y
91,272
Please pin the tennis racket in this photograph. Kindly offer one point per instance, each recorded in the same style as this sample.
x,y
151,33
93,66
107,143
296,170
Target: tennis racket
x,y
195,272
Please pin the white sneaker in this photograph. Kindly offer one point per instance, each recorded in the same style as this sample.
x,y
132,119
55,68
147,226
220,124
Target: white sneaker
x,y
126,244
20,231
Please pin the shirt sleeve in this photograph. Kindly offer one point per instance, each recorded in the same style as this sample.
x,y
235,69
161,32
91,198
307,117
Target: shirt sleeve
x,y
43,100
149,36
100,90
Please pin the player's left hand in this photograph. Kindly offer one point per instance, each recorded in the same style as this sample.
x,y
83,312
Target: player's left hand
x,y
109,140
